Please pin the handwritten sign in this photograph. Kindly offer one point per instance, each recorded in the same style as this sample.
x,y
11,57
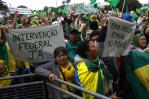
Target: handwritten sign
x,y
35,44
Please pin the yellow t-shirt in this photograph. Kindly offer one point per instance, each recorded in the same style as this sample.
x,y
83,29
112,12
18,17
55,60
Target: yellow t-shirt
x,y
69,73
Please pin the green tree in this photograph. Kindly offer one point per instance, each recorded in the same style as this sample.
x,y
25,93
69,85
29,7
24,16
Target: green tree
x,y
130,5
3,6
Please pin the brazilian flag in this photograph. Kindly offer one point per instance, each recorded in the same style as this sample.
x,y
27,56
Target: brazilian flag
x,y
137,71
94,76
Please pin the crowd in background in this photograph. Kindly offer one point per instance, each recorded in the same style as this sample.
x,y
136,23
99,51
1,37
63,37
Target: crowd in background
x,y
79,61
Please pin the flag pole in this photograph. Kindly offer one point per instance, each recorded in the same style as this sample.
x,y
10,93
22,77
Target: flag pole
x,y
112,8
123,5
111,5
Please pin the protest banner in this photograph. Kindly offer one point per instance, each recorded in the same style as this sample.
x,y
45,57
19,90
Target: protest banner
x,y
20,10
35,44
119,36
82,8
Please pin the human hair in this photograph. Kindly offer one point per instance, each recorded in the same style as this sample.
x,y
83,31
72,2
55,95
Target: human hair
x,y
94,33
83,48
93,25
60,49
102,35
74,31
54,19
136,39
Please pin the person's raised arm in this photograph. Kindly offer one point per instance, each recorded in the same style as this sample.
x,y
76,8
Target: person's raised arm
x,y
15,19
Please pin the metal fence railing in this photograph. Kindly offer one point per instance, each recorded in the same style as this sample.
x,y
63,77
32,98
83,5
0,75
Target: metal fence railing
x,y
38,89
78,88
29,90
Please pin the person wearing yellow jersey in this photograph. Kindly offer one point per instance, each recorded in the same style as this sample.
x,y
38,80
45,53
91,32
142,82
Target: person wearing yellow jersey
x,y
61,68
4,73
67,73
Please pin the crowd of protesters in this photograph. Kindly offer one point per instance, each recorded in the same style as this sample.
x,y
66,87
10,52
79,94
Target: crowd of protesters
x,y
79,61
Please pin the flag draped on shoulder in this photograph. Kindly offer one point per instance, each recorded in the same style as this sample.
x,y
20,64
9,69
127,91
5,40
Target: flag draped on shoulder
x,y
137,70
93,76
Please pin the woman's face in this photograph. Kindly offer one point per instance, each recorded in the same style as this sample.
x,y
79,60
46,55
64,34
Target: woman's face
x,y
143,42
61,58
93,50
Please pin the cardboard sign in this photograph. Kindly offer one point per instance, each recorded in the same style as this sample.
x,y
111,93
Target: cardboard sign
x,y
119,36
35,44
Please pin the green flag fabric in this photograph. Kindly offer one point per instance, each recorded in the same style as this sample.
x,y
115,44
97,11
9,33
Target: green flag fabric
x,y
137,71
93,1
62,9
4,53
113,3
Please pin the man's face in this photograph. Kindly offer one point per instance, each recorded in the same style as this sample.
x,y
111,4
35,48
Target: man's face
x,y
144,25
143,42
74,37
93,51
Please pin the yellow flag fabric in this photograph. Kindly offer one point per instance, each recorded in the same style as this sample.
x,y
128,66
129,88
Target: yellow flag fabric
x,y
5,82
11,62
137,71
88,79
94,76
142,74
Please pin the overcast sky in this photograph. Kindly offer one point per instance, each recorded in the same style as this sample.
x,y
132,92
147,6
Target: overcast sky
x,y
39,4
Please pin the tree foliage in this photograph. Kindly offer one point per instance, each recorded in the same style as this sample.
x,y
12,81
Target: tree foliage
x,y
129,4
3,6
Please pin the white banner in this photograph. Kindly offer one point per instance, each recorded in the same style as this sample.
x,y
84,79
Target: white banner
x,y
119,36
20,10
82,8
35,44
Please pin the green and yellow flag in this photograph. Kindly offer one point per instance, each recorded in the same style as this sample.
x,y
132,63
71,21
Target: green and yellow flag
x,y
93,76
137,71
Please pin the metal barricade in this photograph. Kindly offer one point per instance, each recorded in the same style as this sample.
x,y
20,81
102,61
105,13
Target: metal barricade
x,y
29,90
74,96
38,89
